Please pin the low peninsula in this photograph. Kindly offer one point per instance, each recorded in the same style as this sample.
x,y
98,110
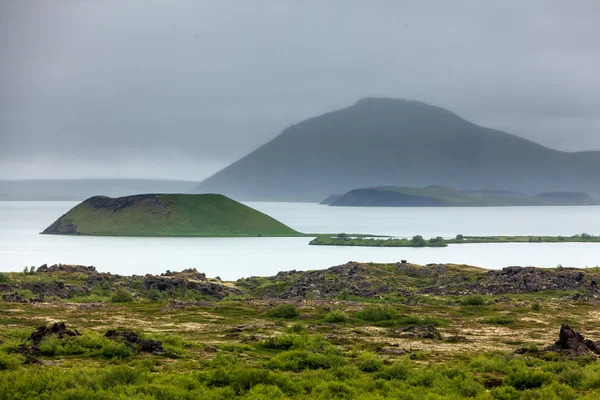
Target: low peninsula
x,y
167,215
418,241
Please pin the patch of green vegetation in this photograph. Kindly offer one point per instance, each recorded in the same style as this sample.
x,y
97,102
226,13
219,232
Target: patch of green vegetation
x,y
122,296
336,316
286,310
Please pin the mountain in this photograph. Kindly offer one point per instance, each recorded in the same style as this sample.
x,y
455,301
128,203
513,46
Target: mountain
x,y
81,189
391,142
439,196
166,215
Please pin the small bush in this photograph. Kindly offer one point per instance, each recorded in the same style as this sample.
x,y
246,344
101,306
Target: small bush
x,y
155,295
8,362
474,300
4,277
298,360
536,306
369,362
122,296
297,328
398,370
525,378
500,320
116,350
287,311
336,316
377,314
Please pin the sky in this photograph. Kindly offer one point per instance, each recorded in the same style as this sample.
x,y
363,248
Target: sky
x,y
178,89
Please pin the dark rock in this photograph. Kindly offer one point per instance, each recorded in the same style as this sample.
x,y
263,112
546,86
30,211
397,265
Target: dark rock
x,y
59,329
457,339
31,359
14,298
422,331
573,343
134,341
391,350
66,268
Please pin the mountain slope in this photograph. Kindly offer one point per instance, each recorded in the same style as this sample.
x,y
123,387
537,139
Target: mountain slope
x,y
389,142
166,215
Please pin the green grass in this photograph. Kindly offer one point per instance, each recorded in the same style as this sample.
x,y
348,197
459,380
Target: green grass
x,y
168,215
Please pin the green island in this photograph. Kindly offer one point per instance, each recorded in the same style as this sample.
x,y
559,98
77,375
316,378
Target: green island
x,y
353,331
207,215
343,239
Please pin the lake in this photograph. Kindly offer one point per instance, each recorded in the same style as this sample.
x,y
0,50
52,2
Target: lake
x,y
231,258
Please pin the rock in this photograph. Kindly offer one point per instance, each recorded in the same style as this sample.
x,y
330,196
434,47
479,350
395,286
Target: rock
x,y
457,339
14,298
44,268
422,331
391,350
59,329
573,343
134,341
31,359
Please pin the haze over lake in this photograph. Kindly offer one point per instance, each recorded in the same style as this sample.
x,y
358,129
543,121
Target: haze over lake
x,y
232,258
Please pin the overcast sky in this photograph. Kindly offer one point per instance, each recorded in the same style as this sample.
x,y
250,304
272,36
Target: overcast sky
x,y
181,88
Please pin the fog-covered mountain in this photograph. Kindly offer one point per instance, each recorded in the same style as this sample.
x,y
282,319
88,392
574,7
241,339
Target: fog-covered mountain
x,y
392,142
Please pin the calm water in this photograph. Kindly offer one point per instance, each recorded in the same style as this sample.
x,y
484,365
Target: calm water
x,y
232,258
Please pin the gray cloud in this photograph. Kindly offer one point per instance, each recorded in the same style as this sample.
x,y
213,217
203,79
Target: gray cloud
x,y
180,88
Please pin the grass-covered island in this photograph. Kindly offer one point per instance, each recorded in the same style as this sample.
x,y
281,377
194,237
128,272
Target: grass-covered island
x,y
418,241
354,331
167,215
440,196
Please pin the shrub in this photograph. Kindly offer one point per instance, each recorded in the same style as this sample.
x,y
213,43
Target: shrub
x,y
418,241
154,294
4,277
369,362
287,311
536,306
298,360
376,314
282,342
297,328
398,370
116,350
8,362
336,316
122,296
500,320
344,295
475,300
525,378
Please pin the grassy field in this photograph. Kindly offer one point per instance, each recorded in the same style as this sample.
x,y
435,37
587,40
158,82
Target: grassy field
x,y
418,241
168,215
341,347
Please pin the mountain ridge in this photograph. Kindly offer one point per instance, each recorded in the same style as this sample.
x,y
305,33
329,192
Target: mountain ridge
x,y
395,142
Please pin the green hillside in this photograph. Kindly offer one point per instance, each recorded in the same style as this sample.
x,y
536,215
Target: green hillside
x,y
166,215
431,196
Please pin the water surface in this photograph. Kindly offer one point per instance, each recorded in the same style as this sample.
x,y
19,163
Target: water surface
x,y
232,258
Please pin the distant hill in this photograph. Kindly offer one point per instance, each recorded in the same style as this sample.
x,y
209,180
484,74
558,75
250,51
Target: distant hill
x,y
390,142
81,189
431,196
166,215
